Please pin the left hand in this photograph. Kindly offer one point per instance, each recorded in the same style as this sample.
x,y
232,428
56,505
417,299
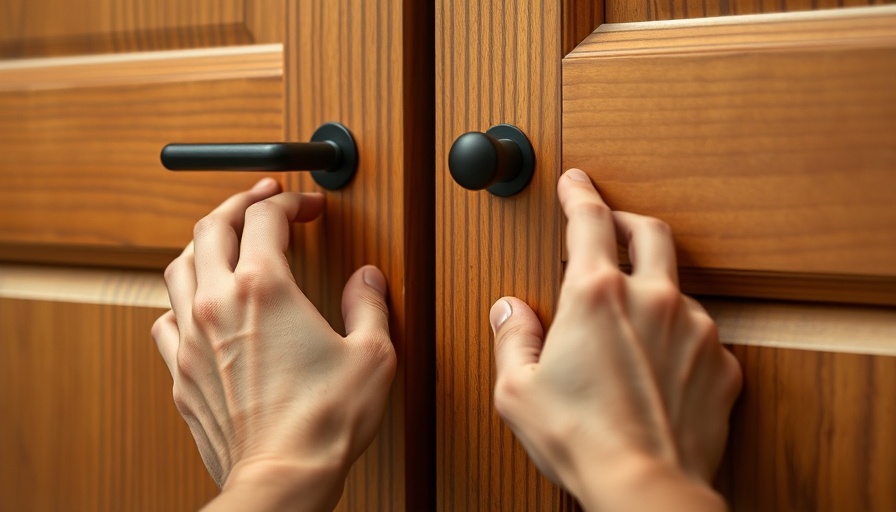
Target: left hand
x,y
270,392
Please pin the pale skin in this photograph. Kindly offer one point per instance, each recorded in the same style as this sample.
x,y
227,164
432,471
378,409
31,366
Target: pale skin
x,y
624,403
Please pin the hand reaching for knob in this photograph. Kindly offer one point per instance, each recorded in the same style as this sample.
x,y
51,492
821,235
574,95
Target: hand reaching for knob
x,y
625,402
279,404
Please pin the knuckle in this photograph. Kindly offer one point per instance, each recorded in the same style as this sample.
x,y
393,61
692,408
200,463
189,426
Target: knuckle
x,y
657,226
156,329
173,269
208,310
263,208
706,328
375,303
664,296
509,387
185,366
205,225
591,210
379,350
509,331
600,286
253,278
181,402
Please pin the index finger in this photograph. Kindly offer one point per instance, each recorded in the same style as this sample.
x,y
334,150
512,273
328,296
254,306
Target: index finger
x,y
266,232
216,236
590,231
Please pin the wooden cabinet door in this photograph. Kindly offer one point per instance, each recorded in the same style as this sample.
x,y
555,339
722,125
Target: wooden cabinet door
x,y
496,62
89,93
766,142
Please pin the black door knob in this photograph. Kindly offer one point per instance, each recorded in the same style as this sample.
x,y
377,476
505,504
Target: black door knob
x,y
331,156
500,160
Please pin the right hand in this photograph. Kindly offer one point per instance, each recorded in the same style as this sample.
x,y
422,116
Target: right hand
x,y
631,379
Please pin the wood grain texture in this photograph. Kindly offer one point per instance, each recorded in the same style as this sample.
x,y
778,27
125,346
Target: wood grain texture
x,y
762,154
88,420
580,18
812,431
496,62
872,290
369,65
83,285
244,62
81,165
41,28
805,326
88,256
624,11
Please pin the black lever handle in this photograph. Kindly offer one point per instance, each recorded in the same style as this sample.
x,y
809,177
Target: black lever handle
x,y
500,160
331,156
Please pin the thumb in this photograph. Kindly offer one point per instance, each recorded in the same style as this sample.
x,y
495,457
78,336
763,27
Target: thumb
x,y
364,303
519,335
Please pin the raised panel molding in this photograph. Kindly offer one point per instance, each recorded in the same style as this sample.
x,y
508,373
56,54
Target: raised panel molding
x,y
115,26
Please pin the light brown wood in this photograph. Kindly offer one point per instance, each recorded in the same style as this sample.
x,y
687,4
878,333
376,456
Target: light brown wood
x,y
623,11
780,161
368,65
89,423
805,326
812,431
496,62
38,28
88,420
81,164
238,62
809,31
81,285
767,143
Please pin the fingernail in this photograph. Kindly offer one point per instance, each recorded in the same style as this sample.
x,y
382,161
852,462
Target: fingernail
x,y
577,175
375,279
264,183
500,312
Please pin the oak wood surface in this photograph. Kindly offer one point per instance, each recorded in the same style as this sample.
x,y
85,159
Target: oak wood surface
x,y
40,28
624,11
496,62
81,164
812,431
252,61
369,65
579,18
762,154
83,285
805,326
89,423
88,420
774,135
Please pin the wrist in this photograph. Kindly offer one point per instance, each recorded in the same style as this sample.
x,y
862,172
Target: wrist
x,y
281,485
642,483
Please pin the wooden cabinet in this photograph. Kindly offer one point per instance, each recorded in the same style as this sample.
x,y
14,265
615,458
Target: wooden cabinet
x,y
766,142
89,94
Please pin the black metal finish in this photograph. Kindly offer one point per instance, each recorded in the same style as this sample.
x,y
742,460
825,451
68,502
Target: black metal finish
x,y
342,172
500,160
331,156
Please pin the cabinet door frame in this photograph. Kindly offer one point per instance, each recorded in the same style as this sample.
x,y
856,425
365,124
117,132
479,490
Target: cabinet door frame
x,y
499,62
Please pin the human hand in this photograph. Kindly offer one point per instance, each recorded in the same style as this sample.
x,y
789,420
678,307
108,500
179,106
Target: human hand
x,y
631,390
279,404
